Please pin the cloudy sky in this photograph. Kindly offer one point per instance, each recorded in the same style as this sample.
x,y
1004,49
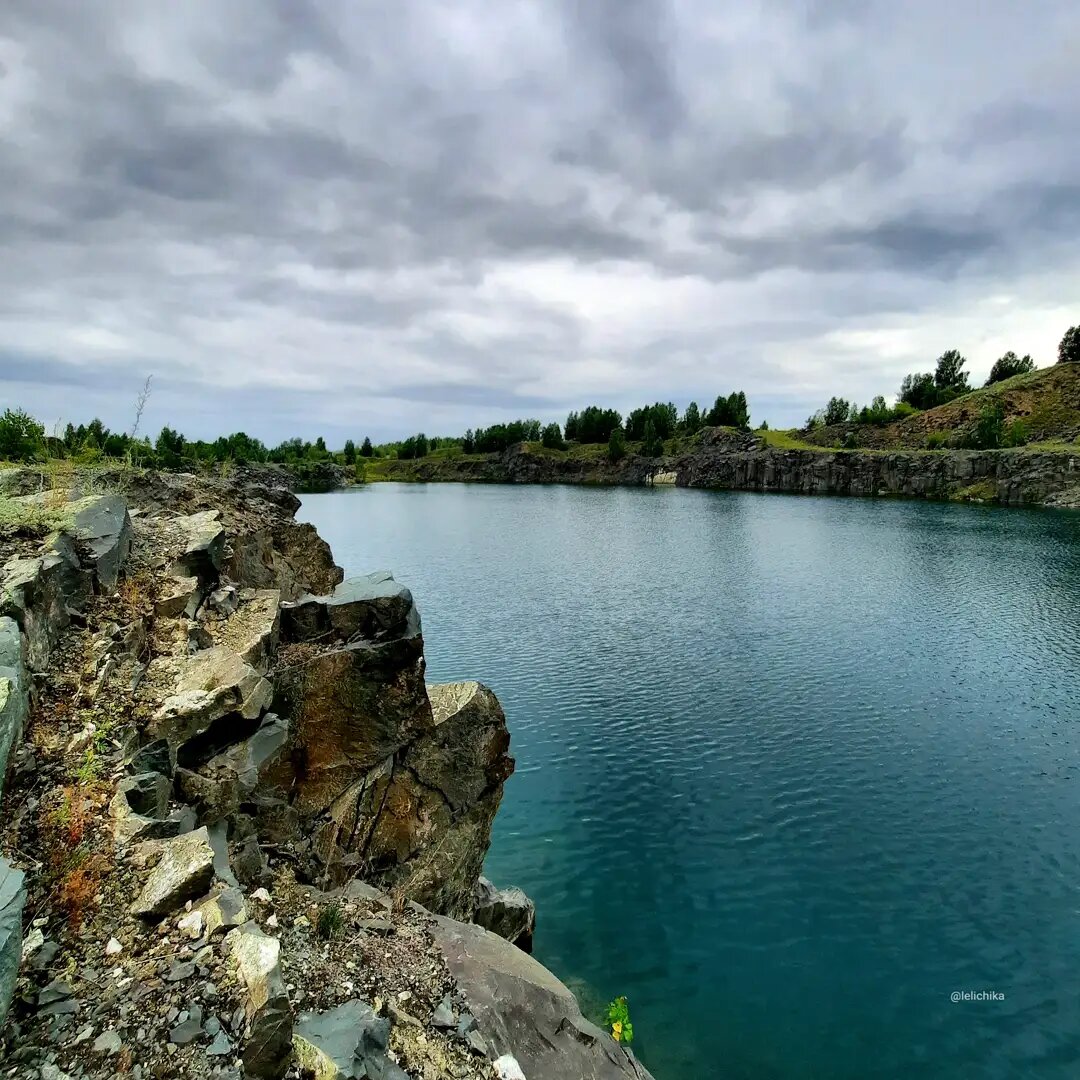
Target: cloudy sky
x,y
378,217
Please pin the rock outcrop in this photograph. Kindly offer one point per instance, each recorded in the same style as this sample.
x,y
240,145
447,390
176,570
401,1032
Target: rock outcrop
x,y
248,731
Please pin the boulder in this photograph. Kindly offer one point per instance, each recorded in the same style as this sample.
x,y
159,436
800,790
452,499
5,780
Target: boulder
x,y
180,595
41,593
349,709
154,756
268,1018
146,793
522,1011
218,787
183,873
223,911
288,556
506,912
252,630
374,607
12,899
102,524
14,691
208,686
204,546
129,827
346,1043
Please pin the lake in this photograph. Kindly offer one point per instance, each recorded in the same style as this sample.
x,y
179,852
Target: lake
x,y
791,771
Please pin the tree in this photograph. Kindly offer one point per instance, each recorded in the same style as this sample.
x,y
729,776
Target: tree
x,y
1005,367
170,447
616,447
20,435
989,428
468,442
593,424
919,390
730,411
653,444
552,437
1069,349
837,411
691,419
349,453
950,374
664,418
366,449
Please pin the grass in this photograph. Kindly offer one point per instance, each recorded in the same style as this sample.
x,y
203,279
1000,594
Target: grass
x,y
787,440
32,517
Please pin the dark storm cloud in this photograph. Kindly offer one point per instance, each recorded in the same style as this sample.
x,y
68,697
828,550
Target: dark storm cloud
x,y
313,216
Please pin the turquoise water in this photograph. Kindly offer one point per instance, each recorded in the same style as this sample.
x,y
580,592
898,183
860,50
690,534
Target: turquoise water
x,y
791,771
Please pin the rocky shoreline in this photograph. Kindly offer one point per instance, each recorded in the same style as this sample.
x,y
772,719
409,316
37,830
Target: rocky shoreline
x,y
242,835
733,461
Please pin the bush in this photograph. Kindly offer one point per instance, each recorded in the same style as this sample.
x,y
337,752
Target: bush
x,y
1005,367
1017,434
989,431
1069,349
21,436
936,440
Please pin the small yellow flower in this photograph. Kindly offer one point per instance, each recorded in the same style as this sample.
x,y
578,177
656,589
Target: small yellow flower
x,y
616,1030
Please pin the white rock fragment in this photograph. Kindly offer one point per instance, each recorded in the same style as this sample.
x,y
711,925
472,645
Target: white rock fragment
x,y
507,1068
113,947
31,943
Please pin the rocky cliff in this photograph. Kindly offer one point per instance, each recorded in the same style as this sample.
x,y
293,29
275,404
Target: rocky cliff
x,y
242,834
725,459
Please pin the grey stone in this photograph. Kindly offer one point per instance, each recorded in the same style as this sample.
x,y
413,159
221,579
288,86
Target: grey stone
x,y
345,1043
373,606
102,524
205,545
179,596
506,912
218,834
189,1030
223,600
41,593
220,1047
155,756
267,1014
184,872
522,1010
12,899
180,970
147,794
208,686
14,691
223,911
108,1042
443,1016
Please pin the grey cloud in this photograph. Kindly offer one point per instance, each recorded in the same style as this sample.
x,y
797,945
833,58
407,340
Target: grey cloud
x,y
266,199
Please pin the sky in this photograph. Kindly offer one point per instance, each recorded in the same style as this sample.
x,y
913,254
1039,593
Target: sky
x,y
373,218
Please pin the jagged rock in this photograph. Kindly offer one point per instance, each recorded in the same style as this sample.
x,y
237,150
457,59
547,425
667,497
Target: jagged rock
x,y
153,757
223,911
522,1010
205,545
374,607
184,872
208,686
146,793
427,817
41,593
219,786
350,709
14,691
179,596
268,1018
443,1016
346,1043
506,912
129,827
288,556
223,601
252,631
102,524
12,898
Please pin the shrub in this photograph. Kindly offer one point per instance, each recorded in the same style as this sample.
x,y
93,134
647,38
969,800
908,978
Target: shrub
x,y
1069,349
1017,434
989,431
21,436
936,440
